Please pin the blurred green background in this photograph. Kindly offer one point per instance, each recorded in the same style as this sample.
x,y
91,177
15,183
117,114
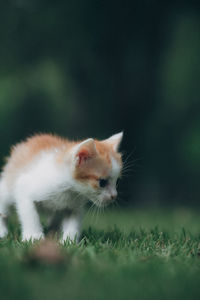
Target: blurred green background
x,y
93,68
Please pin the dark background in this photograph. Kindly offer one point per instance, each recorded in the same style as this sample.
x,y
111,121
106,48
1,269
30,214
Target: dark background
x,y
93,68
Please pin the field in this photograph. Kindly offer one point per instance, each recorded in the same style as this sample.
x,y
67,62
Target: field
x,y
125,254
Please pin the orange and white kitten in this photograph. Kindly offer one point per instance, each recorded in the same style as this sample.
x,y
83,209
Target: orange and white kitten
x,y
62,176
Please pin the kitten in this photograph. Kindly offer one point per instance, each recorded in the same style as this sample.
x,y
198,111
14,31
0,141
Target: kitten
x,y
61,175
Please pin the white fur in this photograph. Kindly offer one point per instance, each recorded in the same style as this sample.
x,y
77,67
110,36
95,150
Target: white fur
x,y
110,193
50,183
115,140
71,227
43,181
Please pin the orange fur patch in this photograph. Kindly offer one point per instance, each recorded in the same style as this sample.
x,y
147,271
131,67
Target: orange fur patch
x,y
23,153
98,166
91,170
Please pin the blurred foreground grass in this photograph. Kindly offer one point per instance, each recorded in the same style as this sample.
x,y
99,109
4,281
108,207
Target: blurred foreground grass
x,y
125,254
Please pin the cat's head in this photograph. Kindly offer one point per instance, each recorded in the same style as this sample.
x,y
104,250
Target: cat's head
x,y
96,167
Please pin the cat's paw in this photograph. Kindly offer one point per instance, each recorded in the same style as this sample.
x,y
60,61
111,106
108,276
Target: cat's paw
x,y
70,240
26,237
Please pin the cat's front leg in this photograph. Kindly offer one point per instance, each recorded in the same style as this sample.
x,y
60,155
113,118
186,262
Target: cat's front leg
x,y
29,219
71,227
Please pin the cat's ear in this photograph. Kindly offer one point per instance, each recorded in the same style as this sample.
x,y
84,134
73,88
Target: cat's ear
x,y
115,140
84,151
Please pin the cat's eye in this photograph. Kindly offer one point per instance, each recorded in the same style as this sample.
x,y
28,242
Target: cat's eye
x,y
103,182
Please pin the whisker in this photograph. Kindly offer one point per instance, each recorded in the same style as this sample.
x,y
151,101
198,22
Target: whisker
x,y
91,208
93,215
129,155
116,202
130,164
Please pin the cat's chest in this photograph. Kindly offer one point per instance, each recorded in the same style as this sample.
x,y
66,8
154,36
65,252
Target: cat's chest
x,y
62,200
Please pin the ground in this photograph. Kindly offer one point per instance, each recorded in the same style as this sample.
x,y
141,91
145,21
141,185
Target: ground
x,y
125,254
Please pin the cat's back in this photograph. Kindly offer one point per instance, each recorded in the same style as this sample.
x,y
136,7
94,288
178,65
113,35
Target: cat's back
x,y
26,152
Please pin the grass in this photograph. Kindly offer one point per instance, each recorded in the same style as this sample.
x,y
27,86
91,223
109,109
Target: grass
x,y
125,254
